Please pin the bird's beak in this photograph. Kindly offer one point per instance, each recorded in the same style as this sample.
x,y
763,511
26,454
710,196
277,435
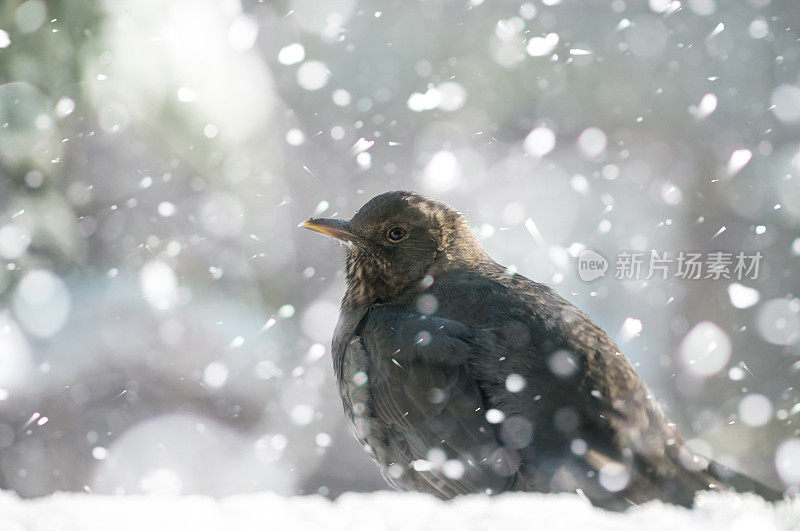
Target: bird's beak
x,y
335,228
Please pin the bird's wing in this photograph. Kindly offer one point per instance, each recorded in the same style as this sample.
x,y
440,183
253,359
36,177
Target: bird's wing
x,y
431,411
621,421
618,416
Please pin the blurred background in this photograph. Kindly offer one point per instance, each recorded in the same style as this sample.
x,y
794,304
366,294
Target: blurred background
x,y
165,327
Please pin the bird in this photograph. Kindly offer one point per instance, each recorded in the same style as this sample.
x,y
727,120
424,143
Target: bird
x,y
459,376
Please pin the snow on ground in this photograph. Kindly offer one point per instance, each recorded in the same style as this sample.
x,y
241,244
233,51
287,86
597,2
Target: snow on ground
x,y
384,511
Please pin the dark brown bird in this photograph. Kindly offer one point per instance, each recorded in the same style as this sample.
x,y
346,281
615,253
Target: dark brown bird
x,y
459,377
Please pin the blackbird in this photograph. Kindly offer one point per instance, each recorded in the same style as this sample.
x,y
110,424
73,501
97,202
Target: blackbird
x,y
460,377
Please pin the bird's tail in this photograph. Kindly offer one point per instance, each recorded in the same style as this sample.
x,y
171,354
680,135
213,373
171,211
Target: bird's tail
x,y
741,483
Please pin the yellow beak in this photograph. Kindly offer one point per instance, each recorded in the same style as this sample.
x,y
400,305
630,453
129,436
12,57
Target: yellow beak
x,y
335,228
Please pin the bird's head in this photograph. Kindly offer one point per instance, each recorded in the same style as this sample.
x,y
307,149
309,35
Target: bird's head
x,y
395,240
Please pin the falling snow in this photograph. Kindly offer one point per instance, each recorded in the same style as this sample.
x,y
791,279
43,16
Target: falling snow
x,y
161,313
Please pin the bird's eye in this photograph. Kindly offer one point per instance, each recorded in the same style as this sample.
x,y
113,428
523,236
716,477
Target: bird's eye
x,y
395,234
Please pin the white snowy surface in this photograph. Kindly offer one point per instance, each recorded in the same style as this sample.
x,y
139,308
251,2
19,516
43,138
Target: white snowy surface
x,y
384,511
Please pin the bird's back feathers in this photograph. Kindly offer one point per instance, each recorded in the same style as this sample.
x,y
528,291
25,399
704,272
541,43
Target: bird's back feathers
x,y
591,425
